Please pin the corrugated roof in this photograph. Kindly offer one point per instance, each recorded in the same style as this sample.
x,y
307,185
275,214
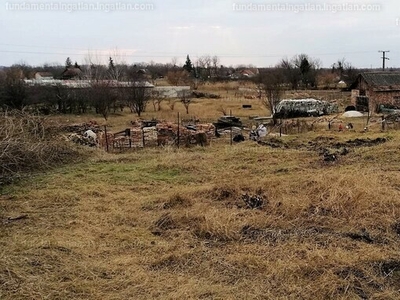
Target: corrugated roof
x,y
382,81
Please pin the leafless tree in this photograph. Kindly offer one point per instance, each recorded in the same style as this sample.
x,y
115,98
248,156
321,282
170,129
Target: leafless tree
x,y
222,110
157,98
171,104
137,97
215,63
13,91
93,68
102,97
174,62
273,84
186,98
117,65
178,77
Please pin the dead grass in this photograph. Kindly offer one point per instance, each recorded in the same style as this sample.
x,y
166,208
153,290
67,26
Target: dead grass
x,y
171,223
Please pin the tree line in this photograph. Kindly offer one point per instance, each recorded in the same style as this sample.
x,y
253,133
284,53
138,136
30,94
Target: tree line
x,y
103,94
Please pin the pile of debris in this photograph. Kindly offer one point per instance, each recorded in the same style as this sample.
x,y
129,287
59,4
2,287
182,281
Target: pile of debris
x,y
80,128
78,133
82,140
159,133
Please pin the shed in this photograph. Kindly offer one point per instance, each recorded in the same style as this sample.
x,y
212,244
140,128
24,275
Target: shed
x,y
371,90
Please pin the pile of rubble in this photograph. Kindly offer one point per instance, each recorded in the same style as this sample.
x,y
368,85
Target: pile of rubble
x,y
76,133
154,133
80,128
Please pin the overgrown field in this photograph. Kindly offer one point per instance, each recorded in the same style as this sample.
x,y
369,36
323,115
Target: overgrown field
x,y
172,224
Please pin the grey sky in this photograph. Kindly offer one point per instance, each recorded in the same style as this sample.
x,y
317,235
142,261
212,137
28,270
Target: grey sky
x,y
239,32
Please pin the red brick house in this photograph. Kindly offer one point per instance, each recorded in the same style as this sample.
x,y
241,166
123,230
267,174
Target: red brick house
x,y
372,89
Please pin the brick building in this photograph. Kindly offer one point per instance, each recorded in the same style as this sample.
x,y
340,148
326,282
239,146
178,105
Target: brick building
x,y
373,89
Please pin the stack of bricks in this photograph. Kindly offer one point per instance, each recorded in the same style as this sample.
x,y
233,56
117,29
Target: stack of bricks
x,y
208,129
137,137
101,137
150,136
167,133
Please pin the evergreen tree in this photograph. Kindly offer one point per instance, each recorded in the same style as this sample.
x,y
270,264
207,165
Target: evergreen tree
x,y
111,66
68,63
188,64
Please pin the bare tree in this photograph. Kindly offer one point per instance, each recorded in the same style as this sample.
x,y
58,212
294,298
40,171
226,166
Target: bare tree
x,y
344,70
116,66
222,110
102,97
272,82
137,97
186,98
174,62
178,77
157,98
215,63
14,91
94,69
171,104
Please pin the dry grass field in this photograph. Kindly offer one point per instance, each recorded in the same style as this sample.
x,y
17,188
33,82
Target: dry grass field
x,y
167,223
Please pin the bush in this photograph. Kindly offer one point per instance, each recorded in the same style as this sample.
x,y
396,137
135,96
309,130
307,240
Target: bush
x,y
27,145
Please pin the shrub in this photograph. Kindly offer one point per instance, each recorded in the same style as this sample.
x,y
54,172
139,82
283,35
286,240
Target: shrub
x,y
27,144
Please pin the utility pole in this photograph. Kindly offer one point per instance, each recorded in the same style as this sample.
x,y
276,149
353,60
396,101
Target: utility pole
x,y
384,58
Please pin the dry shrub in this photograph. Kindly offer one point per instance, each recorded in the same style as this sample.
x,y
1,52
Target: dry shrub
x,y
217,227
224,193
26,145
177,201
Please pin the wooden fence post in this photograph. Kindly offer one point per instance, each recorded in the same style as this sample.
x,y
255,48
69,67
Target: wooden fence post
x,y
231,134
143,137
105,132
178,133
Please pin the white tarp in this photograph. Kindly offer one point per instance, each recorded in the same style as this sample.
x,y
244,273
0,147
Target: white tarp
x,y
352,114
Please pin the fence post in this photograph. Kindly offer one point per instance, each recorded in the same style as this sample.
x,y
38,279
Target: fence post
x,y
383,123
128,134
231,141
178,133
143,138
105,132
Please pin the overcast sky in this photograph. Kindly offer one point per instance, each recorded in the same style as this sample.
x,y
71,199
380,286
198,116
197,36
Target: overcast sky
x,y
239,32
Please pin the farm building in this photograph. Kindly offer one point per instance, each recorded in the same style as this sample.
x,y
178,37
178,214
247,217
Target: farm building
x,y
371,90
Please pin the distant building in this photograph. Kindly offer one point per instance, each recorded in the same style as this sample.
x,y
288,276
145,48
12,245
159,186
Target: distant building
x,y
245,73
72,73
43,76
373,89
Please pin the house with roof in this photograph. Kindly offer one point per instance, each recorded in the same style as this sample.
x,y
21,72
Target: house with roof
x,y
72,73
245,73
373,89
43,76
